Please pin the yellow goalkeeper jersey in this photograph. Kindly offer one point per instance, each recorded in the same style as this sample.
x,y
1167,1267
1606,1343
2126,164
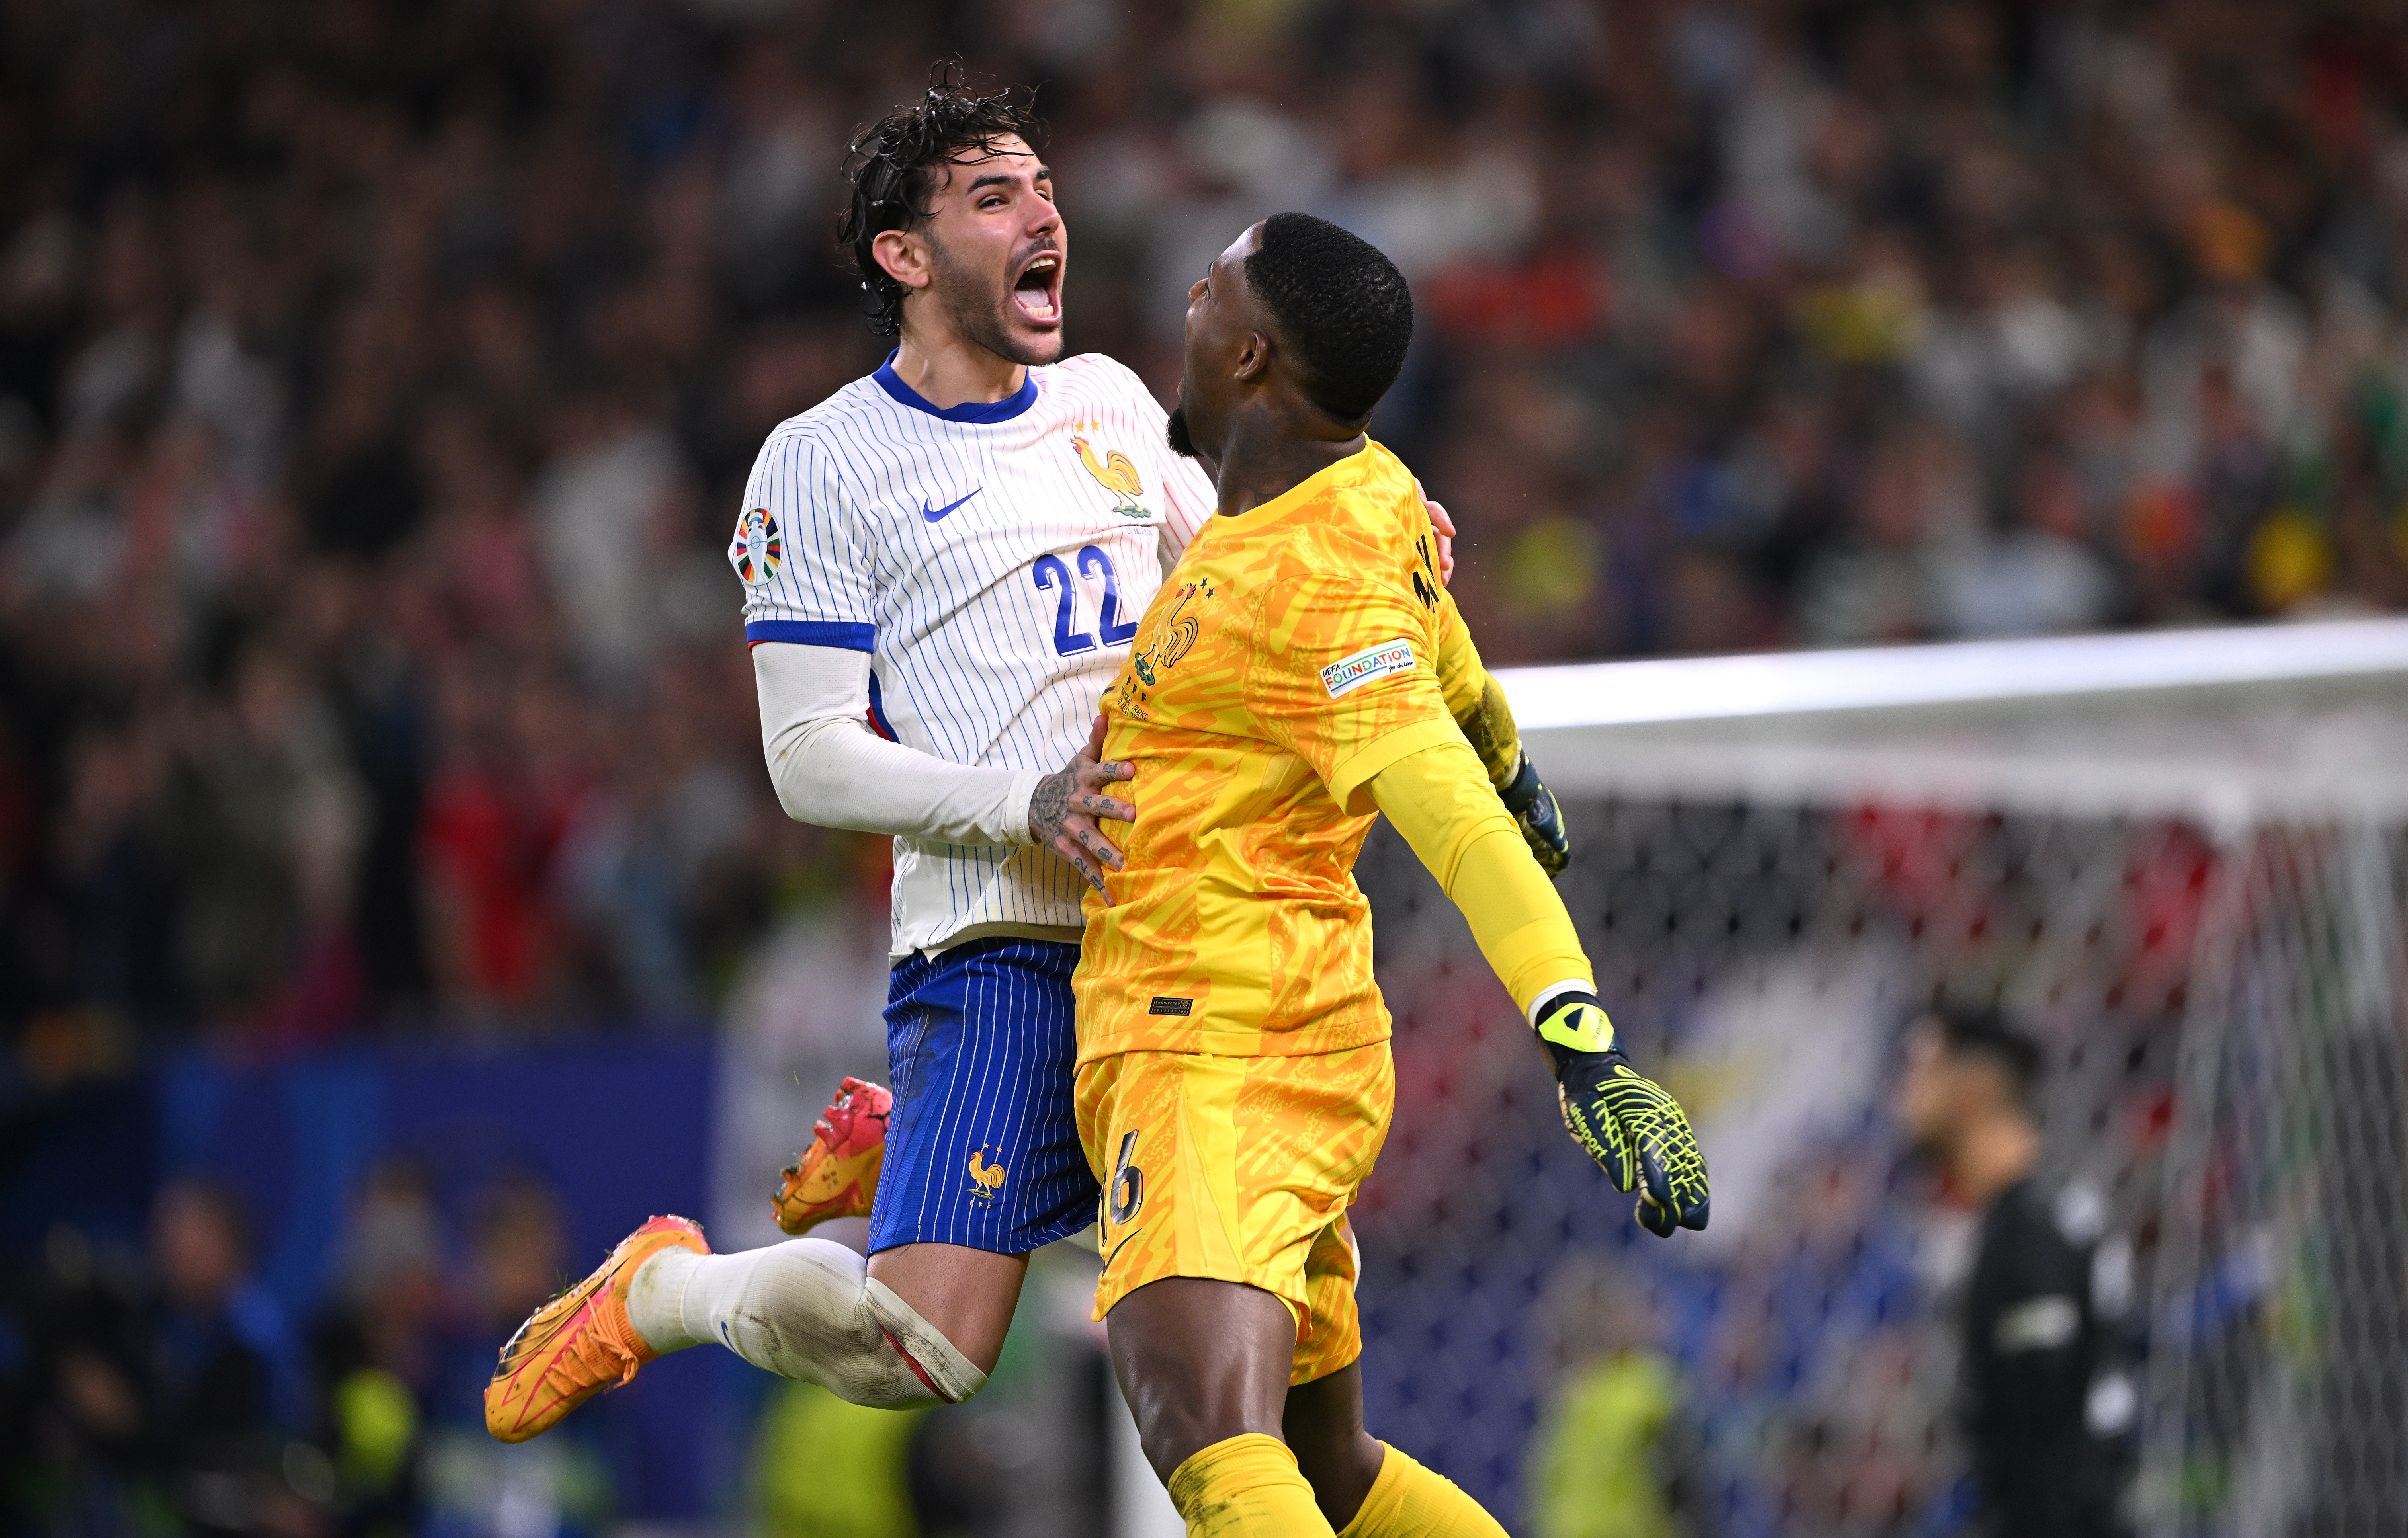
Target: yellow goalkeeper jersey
x,y
1296,651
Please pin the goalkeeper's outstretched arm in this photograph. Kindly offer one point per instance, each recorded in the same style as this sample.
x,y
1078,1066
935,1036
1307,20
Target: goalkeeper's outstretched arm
x,y
1479,707
1441,799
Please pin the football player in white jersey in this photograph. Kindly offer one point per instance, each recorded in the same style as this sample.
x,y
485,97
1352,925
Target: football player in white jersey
x,y
943,565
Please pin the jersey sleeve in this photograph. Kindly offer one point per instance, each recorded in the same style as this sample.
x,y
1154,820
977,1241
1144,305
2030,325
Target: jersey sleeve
x,y
799,551
1440,800
1473,698
1345,678
1460,675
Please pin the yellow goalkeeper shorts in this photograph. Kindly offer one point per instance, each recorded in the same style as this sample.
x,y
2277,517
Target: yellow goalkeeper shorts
x,y
1240,1170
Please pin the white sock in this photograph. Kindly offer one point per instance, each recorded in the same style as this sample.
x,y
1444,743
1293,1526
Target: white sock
x,y
804,1309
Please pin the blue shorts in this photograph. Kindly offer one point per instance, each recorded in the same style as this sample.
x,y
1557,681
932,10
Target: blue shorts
x,y
983,1147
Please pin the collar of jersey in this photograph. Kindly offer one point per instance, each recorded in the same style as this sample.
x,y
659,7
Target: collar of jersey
x,y
1311,486
968,411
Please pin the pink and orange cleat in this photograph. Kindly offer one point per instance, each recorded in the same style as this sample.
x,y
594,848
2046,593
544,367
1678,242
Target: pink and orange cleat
x,y
582,1341
836,1177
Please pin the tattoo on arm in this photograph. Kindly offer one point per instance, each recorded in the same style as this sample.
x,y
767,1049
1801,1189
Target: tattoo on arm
x,y
1062,813
1488,726
1052,803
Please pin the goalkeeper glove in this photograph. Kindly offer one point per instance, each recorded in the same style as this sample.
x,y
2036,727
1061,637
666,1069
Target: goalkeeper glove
x,y
1541,820
1638,1135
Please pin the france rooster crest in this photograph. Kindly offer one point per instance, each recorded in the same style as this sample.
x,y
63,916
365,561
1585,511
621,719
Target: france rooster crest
x,y
756,553
986,1174
1115,473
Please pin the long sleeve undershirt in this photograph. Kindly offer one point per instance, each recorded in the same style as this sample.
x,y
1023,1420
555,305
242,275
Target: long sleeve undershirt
x,y
831,769
1440,800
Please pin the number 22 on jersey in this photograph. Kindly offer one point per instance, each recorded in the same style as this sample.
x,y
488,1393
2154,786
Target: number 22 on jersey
x,y
1052,574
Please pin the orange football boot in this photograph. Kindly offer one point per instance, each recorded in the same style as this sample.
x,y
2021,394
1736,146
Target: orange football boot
x,y
582,1341
836,1177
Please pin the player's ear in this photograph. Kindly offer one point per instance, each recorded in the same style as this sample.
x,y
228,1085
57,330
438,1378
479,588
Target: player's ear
x,y
1254,358
904,254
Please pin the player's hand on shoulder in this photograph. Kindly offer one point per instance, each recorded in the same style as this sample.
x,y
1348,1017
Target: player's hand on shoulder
x,y
1637,1133
1068,805
1533,807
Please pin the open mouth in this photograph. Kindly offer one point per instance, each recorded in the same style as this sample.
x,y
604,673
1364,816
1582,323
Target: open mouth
x,y
1038,290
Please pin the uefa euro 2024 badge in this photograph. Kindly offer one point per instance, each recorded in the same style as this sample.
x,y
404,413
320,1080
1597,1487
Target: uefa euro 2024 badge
x,y
756,553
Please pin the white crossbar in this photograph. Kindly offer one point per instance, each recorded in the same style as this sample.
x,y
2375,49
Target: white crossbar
x,y
2228,726
1696,688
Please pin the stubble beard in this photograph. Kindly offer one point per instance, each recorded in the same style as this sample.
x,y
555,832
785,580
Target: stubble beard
x,y
976,306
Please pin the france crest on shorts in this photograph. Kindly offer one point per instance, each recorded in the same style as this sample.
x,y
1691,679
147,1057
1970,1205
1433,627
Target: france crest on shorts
x,y
982,1146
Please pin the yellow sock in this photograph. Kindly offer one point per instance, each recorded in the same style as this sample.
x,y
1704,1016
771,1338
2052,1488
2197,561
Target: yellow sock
x,y
1245,1487
1408,1500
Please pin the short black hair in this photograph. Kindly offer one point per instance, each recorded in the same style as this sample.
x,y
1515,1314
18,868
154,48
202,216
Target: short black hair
x,y
893,166
1988,1034
1340,305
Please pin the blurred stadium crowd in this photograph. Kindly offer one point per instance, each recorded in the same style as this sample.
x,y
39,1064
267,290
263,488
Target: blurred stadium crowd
x,y
187,1399
377,383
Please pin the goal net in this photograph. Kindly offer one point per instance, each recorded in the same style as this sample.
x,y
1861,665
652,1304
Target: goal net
x,y
2179,859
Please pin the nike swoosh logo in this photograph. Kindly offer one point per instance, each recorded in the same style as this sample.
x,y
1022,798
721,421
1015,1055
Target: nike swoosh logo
x,y
939,513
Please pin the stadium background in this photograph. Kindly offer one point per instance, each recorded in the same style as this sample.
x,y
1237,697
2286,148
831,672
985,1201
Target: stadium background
x,y
380,802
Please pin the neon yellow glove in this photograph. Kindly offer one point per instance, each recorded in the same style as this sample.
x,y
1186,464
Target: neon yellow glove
x,y
1638,1135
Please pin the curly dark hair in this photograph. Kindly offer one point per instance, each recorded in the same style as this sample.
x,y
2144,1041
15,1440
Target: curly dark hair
x,y
893,166
1340,303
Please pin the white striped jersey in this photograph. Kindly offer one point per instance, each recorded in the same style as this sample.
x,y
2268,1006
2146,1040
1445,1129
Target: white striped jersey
x,y
993,558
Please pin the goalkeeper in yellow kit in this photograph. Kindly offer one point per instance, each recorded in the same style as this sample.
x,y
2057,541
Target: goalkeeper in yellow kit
x,y
1302,669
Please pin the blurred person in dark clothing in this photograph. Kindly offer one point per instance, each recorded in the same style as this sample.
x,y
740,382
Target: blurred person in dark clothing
x,y
267,819
518,1250
377,1350
84,1464
2045,1403
470,1486
225,1356
169,1399
225,1386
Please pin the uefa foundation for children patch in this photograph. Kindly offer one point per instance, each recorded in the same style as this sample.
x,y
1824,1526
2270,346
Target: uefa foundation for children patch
x,y
757,551
1352,672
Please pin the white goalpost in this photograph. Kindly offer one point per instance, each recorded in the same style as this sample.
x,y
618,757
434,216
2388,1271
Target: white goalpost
x,y
2181,857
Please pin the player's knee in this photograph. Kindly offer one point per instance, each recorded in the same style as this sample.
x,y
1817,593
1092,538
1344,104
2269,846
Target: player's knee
x,y
870,1366
1171,1431
1342,1470
1167,1447
928,1354
876,1386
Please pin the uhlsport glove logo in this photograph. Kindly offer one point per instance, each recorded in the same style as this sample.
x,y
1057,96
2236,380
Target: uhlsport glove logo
x,y
1637,1133
1577,1021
